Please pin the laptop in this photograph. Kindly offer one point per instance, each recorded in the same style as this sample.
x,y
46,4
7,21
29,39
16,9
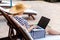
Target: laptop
x,y
43,22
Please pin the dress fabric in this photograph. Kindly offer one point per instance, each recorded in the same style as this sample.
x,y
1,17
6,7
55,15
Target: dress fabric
x,y
22,21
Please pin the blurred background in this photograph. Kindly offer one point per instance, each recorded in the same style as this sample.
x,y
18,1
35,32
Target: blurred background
x,y
36,0
47,8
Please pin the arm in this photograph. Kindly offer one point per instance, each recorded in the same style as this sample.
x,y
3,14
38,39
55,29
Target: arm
x,y
31,27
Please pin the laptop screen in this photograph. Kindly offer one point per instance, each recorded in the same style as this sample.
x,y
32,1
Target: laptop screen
x,y
43,22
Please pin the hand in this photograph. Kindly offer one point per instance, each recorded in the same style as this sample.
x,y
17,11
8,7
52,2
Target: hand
x,y
24,27
34,26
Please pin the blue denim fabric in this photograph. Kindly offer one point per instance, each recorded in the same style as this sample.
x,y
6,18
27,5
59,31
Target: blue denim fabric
x,y
38,33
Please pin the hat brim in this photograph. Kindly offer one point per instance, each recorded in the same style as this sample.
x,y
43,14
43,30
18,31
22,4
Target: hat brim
x,y
15,11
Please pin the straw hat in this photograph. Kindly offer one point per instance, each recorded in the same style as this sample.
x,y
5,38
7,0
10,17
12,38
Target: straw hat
x,y
20,7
